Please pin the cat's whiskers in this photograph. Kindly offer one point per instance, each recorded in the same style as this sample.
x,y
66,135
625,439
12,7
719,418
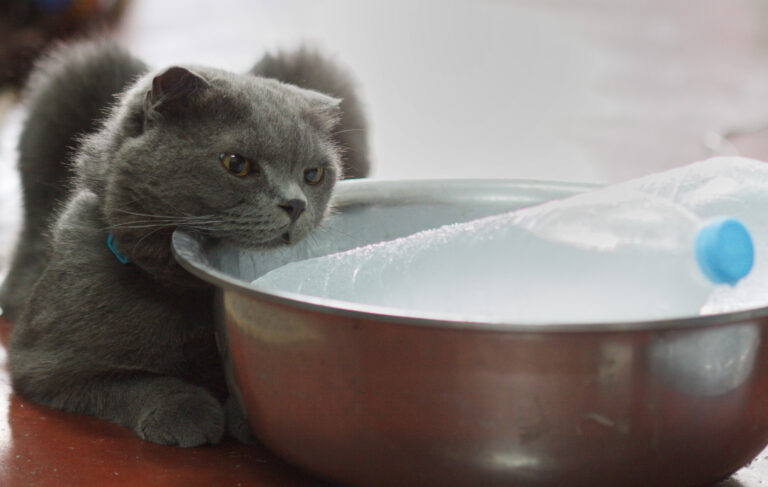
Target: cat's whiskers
x,y
138,224
148,234
314,244
332,230
149,220
154,220
348,130
247,221
156,216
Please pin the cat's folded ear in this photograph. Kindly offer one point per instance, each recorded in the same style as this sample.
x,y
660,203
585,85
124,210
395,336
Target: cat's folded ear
x,y
171,90
326,109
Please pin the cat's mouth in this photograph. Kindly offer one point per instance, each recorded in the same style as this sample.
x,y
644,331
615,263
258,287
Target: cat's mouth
x,y
264,239
289,237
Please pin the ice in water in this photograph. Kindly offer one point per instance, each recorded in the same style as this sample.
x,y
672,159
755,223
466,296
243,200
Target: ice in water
x,y
608,255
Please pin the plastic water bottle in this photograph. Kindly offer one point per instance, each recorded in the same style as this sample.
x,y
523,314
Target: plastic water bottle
x,y
734,186
601,256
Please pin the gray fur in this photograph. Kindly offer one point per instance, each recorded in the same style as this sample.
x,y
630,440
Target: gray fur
x,y
51,137
134,343
309,69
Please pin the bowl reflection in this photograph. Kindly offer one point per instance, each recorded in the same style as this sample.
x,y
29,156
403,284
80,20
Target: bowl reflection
x,y
708,362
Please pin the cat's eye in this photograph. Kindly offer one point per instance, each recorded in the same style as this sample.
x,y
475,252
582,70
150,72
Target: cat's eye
x,y
314,175
237,165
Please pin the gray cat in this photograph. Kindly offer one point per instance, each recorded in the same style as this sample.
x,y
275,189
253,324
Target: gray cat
x,y
107,323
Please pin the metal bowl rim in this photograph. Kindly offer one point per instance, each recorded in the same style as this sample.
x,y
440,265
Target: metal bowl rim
x,y
385,191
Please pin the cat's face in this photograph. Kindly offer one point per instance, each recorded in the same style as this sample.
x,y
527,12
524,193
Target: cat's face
x,y
236,157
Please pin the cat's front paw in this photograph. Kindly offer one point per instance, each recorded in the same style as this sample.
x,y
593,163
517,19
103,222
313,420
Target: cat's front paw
x,y
184,419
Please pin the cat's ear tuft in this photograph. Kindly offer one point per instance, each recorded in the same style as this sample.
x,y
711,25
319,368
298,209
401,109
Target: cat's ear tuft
x,y
326,109
171,89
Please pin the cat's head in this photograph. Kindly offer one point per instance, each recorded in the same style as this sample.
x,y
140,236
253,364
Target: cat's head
x,y
236,157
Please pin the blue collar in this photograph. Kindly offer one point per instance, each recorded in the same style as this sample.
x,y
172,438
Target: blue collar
x,y
123,259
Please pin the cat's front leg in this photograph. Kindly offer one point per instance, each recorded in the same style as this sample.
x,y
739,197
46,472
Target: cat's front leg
x,y
173,412
160,409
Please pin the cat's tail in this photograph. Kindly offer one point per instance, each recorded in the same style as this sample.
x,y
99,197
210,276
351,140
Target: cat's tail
x,y
68,94
308,68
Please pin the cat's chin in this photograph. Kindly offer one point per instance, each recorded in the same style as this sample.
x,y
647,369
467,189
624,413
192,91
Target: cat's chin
x,y
291,236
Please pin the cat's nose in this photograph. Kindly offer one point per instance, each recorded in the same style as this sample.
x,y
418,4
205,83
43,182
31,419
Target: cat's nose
x,y
294,208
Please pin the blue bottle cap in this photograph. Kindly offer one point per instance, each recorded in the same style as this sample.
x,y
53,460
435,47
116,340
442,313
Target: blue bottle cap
x,y
724,251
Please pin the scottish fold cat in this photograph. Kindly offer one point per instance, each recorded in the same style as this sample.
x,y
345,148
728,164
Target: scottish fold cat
x,y
113,157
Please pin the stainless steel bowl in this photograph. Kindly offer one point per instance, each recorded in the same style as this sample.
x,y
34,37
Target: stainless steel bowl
x,y
384,397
